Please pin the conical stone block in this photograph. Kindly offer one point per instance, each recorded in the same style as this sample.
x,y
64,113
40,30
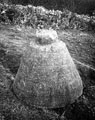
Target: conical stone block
x,y
47,76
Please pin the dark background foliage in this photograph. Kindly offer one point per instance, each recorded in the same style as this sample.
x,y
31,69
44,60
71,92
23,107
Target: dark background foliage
x,y
79,6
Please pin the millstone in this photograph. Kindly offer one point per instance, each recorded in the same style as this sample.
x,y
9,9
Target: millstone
x,y
47,76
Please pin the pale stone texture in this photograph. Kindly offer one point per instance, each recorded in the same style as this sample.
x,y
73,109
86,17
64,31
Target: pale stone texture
x,y
47,76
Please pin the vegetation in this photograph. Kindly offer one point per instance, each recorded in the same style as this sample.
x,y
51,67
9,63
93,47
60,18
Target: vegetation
x,y
79,6
44,18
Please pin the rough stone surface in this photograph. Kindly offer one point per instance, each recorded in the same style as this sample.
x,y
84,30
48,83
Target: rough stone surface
x,y
47,76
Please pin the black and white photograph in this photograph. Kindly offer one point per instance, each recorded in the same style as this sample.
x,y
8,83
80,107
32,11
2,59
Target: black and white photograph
x,y
47,59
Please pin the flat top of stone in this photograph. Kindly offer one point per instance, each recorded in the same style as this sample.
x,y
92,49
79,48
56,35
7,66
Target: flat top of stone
x,y
45,36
